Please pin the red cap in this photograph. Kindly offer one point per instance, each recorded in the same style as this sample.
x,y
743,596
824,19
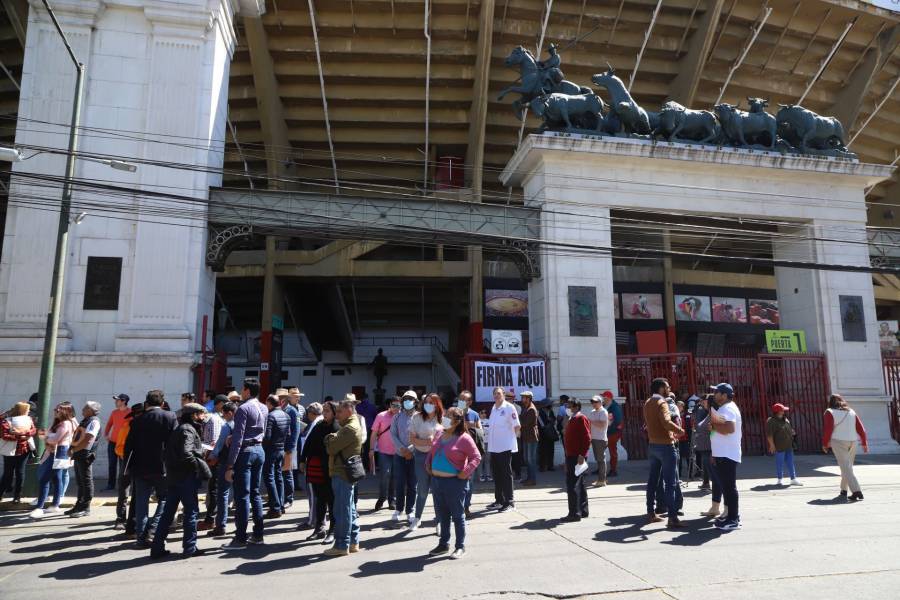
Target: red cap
x,y
607,394
777,408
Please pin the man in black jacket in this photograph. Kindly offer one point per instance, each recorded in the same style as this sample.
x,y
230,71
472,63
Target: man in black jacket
x,y
186,470
278,429
144,456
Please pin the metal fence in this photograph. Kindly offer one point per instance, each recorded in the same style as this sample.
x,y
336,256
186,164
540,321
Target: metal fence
x,y
799,381
892,385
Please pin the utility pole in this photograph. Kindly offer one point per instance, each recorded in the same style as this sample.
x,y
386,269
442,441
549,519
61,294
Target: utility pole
x,y
48,360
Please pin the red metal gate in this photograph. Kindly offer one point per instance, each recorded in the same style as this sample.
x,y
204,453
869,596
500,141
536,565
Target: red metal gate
x,y
635,373
799,381
892,385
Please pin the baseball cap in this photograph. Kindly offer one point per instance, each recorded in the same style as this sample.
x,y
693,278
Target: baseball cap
x,y
410,394
123,397
776,408
724,388
607,394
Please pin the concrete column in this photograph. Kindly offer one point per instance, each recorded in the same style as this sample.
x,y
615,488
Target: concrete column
x,y
668,293
272,323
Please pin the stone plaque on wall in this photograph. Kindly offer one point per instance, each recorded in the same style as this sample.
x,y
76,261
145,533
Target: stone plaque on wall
x,y
582,311
853,320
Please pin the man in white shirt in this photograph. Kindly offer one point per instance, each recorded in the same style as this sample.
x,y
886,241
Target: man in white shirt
x,y
503,429
725,420
599,419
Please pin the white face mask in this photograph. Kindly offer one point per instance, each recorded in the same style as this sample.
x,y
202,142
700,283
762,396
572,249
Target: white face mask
x,y
461,405
429,408
569,413
407,404
446,423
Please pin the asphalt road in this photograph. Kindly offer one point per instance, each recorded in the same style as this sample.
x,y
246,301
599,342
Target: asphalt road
x,y
796,543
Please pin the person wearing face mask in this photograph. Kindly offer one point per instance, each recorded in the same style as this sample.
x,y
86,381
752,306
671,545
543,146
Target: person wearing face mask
x,y
450,462
424,427
404,465
186,470
577,442
382,447
476,430
503,432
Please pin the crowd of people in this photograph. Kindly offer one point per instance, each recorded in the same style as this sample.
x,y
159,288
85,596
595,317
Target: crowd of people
x,y
235,447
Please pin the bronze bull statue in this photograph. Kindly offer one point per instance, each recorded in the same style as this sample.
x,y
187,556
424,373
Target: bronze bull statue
x,y
806,131
675,121
743,128
578,111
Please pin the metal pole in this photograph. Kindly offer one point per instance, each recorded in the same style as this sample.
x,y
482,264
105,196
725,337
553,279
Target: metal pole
x,y
48,360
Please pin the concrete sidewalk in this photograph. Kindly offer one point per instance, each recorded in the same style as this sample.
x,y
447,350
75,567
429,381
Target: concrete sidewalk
x,y
796,543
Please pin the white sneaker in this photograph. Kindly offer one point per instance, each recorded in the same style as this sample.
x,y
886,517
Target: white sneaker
x,y
795,481
52,509
413,524
36,513
779,482
458,554
396,516
33,503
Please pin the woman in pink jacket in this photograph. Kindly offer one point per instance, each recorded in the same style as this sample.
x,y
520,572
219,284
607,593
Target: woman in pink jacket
x,y
452,460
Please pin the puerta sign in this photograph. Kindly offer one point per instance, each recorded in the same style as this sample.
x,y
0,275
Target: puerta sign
x,y
786,340
512,377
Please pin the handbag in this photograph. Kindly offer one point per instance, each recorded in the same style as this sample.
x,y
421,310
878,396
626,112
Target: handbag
x,y
8,447
61,458
353,467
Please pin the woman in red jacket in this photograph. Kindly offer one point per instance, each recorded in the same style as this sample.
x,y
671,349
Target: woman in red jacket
x,y
577,443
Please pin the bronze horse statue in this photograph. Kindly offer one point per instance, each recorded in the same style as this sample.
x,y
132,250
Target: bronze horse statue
x,y
537,79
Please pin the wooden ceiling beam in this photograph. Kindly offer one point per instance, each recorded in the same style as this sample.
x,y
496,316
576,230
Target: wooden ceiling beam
x,y
481,89
690,68
849,101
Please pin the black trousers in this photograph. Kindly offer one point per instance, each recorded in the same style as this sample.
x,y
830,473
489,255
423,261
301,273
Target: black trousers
x,y
501,468
324,497
13,474
212,492
575,489
727,472
84,479
546,450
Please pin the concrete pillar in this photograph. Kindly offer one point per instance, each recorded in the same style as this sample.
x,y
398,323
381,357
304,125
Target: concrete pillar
x,y
272,326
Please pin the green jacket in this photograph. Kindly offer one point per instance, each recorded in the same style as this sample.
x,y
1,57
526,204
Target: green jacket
x,y
342,445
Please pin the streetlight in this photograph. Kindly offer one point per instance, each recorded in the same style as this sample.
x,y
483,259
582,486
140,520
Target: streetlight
x,y
9,154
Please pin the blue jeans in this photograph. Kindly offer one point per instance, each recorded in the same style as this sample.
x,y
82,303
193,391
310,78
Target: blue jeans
x,y
385,477
112,464
185,493
223,497
663,464
529,454
404,483
48,476
247,479
449,504
275,478
142,488
423,482
782,458
346,519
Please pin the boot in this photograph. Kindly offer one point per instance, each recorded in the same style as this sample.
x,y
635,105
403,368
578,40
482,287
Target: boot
x,y
713,510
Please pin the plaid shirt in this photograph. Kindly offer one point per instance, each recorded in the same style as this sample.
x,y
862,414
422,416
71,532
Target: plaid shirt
x,y
211,431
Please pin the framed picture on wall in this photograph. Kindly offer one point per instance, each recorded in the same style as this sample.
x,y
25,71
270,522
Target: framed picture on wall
x,y
763,312
853,319
689,307
642,306
506,303
729,310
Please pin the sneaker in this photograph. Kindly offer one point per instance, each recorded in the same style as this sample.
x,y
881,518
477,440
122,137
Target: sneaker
x,y
458,553
74,509
413,524
779,483
254,540
235,544
329,539
118,525
506,508
482,478
36,513
599,484
79,514
856,496
571,519
728,525
52,509
273,514
493,506
796,481
335,551
652,517
216,532
396,516
354,548
159,555
439,549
